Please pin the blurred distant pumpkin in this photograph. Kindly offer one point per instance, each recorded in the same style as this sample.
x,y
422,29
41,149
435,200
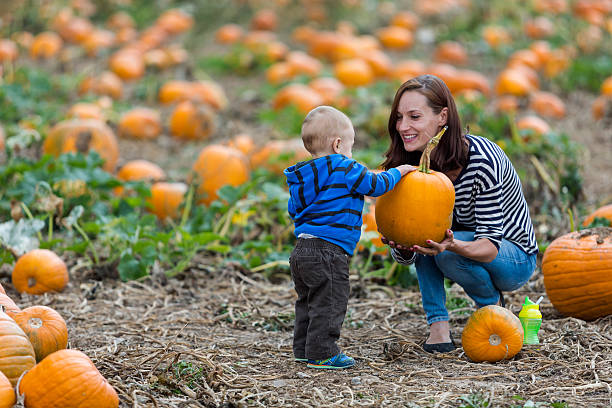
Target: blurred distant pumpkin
x,y
395,37
406,19
533,125
243,142
301,96
76,29
85,110
140,123
39,271
229,34
264,19
492,333
404,70
45,328
576,268
46,45
137,170
496,36
166,198
128,64
120,19
190,121
106,84
70,380
17,353
330,89
513,82
8,50
601,106
82,135
174,21
354,72
451,52
601,212
217,166
276,155
547,104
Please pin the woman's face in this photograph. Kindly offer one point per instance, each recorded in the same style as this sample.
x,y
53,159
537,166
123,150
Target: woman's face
x,y
416,121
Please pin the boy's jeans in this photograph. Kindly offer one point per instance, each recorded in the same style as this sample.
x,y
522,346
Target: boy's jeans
x,y
320,271
510,270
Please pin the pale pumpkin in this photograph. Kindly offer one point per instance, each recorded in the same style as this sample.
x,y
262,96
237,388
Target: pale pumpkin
x,y
576,269
7,393
16,352
492,333
39,271
67,379
45,328
420,207
217,166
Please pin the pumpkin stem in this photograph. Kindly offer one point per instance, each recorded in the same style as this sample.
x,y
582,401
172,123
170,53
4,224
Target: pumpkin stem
x,y
433,142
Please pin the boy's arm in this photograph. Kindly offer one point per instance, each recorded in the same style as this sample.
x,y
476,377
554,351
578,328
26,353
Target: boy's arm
x,y
363,181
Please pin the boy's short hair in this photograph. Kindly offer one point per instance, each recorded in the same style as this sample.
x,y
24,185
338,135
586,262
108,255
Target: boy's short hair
x,y
321,126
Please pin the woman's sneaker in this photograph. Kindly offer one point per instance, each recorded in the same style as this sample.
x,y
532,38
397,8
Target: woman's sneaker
x,y
333,363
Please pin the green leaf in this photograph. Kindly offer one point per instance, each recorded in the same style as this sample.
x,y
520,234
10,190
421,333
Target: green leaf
x,y
130,268
20,237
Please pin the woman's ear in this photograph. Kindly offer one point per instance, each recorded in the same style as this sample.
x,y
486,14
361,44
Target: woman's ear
x,y
336,145
443,118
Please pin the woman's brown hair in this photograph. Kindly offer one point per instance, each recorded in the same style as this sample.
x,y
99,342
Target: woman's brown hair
x,y
451,153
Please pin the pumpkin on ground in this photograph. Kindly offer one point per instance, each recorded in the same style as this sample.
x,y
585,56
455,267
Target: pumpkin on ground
x,y
492,333
420,207
16,352
576,269
7,393
82,135
140,123
217,166
67,379
276,155
45,328
39,271
166,199
8,305
601,212
141,170
190,121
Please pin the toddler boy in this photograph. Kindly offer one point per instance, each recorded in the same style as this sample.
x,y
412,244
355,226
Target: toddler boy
x,y
326,205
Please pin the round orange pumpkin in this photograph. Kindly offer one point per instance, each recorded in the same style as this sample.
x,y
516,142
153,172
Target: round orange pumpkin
x,y
450,52
7,392
128,64
82,135
229,34
17,354
189,121
46,45
547,104
354,72
601,212
299,95
576,269
395,37
534,125
140,123
68,379
39,271
217,166
420,207
166,199
84,110
45,328
492,333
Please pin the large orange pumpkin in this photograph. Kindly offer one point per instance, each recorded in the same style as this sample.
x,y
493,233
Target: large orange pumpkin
x,y
576,269
39,271
67,379
16,352
420,207
45,328
82,135
217,166
492,333
7,393
601,212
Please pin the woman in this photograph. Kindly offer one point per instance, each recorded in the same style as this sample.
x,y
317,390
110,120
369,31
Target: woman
x,y
492,246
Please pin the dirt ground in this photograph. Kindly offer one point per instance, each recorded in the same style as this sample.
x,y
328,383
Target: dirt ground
x,y
221,337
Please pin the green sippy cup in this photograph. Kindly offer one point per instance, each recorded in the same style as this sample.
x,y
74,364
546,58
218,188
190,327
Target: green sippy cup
x,y
531,319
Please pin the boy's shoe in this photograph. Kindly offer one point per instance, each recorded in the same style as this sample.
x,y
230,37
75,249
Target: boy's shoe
x,y
301,360
336,362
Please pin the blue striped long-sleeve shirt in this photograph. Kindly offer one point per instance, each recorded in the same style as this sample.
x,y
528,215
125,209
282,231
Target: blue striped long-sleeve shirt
x,y
327,197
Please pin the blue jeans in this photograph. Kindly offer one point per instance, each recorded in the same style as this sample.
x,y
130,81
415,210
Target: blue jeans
x,y
510,270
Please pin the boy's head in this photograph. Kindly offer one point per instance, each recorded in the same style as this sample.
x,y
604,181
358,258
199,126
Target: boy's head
x,y
326,130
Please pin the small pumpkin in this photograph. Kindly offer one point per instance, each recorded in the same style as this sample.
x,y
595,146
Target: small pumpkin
x,y
85,110
140,123
8,50
46,45
395,37
166,198
301,96
229,34
492,333
451,52
354,72
7,392
533,125
606,86
303,64
119,20
243,142
276,155
547,104
39,271
406,19
174,21
602,106
68,379
106,84
189,121
128,64
408,69
513,82
420,207
264,19
217,166
576,268
140,170
330,89
279,73
17,354
496,36
45,328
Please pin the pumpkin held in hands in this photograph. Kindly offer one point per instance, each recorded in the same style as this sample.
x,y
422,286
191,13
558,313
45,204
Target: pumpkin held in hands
x,y
40,271
420,207
576,269
492,333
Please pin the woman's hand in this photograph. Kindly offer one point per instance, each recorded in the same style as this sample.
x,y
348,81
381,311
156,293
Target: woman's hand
x,y
436,247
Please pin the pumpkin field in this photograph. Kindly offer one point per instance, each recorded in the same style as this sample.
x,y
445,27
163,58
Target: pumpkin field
x,y
144,230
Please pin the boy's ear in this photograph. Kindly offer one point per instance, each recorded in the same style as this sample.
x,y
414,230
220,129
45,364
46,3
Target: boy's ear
x,y
336,145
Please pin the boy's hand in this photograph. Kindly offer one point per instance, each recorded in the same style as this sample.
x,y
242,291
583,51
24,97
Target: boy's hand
x,y
406,168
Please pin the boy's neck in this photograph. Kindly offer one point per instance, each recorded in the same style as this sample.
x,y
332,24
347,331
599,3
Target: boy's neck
x,y
322,154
